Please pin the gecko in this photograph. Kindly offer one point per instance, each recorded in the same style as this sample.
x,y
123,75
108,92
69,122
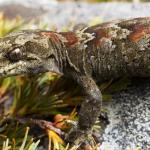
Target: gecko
x,y
94,54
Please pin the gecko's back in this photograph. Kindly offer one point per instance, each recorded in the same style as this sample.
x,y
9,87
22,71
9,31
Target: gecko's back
x,y
119,48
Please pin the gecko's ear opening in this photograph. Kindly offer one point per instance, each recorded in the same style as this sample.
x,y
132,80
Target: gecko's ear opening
x,y
52,56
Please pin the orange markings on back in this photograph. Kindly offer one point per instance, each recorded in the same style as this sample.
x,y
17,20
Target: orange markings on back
x,y
52,35
99,35
71,38
139,31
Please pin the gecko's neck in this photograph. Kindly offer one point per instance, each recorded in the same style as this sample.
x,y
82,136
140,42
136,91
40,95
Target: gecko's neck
x,y
61,44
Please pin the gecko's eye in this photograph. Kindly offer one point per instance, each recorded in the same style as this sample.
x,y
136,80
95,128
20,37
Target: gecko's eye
x,y
16,54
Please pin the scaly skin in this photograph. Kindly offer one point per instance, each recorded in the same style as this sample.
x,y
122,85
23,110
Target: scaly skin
x,y
102,52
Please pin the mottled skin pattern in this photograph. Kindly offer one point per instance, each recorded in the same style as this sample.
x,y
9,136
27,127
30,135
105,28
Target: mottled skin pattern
x,y
99,53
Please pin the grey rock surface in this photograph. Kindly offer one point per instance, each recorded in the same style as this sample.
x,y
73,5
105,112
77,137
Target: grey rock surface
x,y
129,121
129,111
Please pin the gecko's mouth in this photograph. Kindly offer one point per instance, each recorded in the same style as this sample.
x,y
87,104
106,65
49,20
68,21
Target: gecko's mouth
x,y
21,67
11,69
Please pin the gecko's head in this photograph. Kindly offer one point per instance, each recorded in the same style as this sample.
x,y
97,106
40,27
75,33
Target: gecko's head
x,y
25,52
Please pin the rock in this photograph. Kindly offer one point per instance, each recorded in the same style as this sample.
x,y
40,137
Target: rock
x,y
13,10
129,121
28,9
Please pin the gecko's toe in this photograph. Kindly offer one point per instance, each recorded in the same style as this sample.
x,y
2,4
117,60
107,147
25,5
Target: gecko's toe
x,y
79,138
74,136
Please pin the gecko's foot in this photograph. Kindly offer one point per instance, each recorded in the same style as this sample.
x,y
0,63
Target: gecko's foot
x,y
104,117
78,137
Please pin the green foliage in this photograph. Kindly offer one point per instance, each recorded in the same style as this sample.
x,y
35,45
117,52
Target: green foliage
x,y
110,87
119,85
31,145
7,26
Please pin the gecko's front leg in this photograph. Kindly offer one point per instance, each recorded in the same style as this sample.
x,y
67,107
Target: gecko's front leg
x,y
90,109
